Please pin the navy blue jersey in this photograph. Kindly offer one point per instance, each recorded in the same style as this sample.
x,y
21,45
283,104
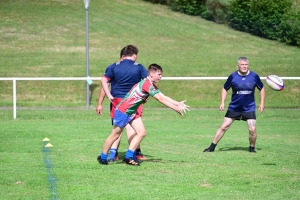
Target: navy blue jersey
x,y
123,76
243,90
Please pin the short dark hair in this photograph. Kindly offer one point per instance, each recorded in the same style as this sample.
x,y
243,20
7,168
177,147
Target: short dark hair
x,y
154,67
122,52
130,50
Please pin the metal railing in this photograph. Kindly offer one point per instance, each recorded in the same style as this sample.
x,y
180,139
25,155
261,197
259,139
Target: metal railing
x,y
88,79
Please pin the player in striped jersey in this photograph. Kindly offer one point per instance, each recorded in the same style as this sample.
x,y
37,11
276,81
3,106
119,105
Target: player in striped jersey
x,y
126,111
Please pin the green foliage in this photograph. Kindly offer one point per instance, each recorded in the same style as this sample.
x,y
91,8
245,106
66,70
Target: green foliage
x,y
163,2
260,18
289,28
190,7
218,10
265,18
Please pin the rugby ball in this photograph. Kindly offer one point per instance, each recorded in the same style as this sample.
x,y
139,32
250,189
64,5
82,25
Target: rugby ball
x,y
275,82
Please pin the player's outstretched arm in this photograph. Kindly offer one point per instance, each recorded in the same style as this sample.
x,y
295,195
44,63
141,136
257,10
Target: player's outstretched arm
x,y
172,101
181,103
179,107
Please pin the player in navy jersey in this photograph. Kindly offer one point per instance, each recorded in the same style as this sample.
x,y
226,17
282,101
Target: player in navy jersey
x,y
127,110
122,75
242,106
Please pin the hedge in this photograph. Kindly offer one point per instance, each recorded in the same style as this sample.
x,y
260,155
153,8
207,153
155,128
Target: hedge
x,y
271,19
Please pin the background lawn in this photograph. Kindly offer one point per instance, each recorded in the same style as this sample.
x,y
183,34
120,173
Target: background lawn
x,y
47,39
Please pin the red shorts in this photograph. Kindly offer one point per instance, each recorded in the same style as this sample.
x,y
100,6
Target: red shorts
x,y
116,101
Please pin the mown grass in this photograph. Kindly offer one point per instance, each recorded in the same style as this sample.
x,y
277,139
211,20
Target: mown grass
x,y
41,38
177,168
47,39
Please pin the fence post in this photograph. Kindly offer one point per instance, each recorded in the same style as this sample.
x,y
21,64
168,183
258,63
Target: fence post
x,y
15,97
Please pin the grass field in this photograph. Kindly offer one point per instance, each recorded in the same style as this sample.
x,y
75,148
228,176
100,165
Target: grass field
x,y
47,39
177,168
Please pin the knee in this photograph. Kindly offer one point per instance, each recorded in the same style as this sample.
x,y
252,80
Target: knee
x,y
142,134
252,130
224,128
115,137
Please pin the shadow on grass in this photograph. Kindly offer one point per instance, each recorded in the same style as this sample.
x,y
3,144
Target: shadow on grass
x,y
268,164
121,156
236,149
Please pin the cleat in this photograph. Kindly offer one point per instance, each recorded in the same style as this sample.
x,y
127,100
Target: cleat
x,y
101,162
208,150
252,149
140,156
116,157
111,160
137,160
130,161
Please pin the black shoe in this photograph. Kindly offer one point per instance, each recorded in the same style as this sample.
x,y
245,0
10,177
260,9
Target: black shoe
x,y
252,149
111,160
130,161
208,150
101,162
137,160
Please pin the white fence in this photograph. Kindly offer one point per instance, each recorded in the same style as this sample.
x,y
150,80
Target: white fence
x,y
99,78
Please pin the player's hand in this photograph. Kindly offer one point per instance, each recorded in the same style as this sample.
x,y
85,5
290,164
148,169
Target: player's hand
x,y
183,107
110,98
99,110
221,107
261,108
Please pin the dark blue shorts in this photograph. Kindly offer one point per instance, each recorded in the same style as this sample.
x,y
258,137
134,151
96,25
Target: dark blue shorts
x,y
241,115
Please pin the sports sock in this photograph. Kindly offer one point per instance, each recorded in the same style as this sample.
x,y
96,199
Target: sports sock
x,y
138,151
112,153
129,154
252,147
212,146
103,157
134,155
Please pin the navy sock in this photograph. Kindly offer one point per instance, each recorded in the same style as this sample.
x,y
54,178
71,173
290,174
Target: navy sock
x,y
129,154
138,150
213,146
103,157
112,153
